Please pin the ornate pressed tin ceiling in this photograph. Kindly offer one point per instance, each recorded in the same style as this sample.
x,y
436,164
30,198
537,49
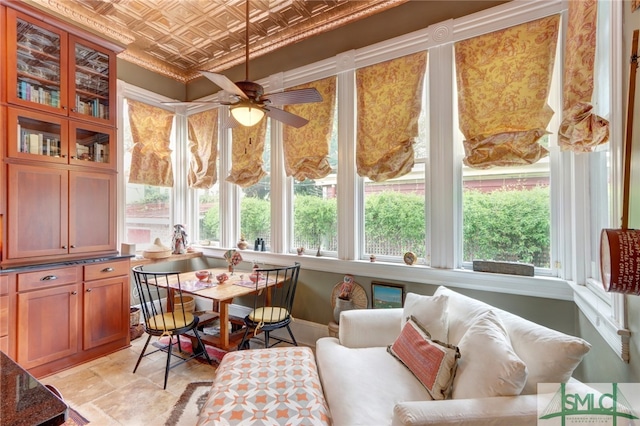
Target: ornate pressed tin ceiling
x,y
176,38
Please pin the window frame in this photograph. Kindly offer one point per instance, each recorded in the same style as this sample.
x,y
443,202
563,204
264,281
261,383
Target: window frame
x,y
443,165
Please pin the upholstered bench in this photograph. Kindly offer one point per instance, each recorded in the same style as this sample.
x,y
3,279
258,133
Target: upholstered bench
x,y
266,386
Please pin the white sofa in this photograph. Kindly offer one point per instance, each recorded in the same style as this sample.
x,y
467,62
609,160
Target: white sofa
x,y
495,382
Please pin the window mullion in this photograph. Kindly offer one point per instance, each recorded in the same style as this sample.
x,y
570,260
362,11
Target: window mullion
x,y
229,193
279,194
350,197
444,198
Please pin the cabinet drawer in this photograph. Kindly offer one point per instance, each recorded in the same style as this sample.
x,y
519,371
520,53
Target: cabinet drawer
x,y
106,270
47,278
4,284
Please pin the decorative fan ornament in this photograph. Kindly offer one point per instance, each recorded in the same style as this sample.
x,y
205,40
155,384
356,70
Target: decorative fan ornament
x,y
251,104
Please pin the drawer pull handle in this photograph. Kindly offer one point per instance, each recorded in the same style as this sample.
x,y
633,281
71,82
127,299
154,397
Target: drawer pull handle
x,y
89,290
73,293
109,269
49,278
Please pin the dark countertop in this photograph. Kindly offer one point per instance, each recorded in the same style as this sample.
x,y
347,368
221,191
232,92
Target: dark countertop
x,y
64,263
24,401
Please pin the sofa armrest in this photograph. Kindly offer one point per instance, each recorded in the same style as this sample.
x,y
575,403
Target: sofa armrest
x,y
364,328
518,410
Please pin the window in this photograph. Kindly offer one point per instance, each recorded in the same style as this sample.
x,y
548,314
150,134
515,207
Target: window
x,y
394,210
255,203
148,209
209,215
315,208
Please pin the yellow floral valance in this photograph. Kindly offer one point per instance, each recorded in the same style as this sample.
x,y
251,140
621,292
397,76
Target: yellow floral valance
x,y
581,130
203,146
306,149
503,85
150,154
389,103
247,147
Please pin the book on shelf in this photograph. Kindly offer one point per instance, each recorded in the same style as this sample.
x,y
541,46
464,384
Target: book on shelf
x,y
34,143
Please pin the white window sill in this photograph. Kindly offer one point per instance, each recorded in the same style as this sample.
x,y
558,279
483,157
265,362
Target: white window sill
x,y
600,314
546,287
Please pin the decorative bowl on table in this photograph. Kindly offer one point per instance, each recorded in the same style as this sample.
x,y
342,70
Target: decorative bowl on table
x,y
221,278
254,277
202,275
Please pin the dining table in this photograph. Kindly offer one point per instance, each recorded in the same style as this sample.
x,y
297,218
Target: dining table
x,y
221,294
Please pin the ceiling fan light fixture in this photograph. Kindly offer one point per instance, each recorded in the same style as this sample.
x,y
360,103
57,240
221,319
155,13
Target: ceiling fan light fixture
x,y
247,115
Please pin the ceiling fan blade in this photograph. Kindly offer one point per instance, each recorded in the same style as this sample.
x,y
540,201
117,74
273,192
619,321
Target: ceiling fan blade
x,y
290,97
285,117
224,83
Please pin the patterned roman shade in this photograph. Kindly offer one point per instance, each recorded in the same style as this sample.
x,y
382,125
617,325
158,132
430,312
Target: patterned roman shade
x,y
389,103
581,130
247,147
503,85
150,154
306,149
203,146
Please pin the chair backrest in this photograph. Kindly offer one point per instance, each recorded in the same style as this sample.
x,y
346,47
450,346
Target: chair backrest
x,y
154,290
280,295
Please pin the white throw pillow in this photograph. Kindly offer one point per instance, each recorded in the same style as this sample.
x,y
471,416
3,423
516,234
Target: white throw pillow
x,y
462,312
488,365
550,355
430,311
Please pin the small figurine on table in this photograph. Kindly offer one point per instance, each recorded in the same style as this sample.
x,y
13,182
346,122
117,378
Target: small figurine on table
x,y
179,241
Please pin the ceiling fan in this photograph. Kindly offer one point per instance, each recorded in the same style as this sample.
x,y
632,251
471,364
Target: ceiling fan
x,y
251,104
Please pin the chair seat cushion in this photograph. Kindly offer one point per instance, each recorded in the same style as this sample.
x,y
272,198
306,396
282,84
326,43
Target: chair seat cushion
x,y
269,314
168,321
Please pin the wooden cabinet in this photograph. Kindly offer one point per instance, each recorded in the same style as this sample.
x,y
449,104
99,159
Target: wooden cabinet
x,y
53,212
92,212
48,317
37,214
71,314
57,72
47,138
58,198
106,293
65,303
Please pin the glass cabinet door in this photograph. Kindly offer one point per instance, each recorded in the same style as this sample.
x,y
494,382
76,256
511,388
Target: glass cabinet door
x,y
38,51
91,144
92,82
37,134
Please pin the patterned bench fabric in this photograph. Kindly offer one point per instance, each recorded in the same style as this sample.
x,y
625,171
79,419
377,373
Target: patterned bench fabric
x,y
275,386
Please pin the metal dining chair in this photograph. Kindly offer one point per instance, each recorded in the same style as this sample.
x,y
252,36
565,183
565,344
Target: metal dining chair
x,y
165,315
272,304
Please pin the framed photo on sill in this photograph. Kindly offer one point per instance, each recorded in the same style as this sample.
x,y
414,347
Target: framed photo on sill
x,y
386,295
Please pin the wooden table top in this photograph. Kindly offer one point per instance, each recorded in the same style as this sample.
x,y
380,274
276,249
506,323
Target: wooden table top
x,y
237,285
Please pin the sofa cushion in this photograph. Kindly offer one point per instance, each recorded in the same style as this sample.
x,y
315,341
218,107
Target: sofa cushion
x,y
362,385
550,355
488,365
431,361
430,311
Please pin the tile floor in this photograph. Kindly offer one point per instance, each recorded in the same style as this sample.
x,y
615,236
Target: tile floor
x,y
107,393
